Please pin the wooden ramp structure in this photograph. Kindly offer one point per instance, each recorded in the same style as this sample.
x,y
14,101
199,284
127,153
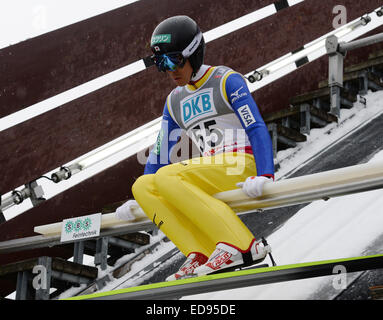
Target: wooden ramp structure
x,y
55,272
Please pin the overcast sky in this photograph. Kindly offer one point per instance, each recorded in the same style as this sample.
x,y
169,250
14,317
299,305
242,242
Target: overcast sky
x,y
23,19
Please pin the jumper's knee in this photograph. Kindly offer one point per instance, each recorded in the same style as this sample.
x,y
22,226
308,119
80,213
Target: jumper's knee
x,y
142,185
164,177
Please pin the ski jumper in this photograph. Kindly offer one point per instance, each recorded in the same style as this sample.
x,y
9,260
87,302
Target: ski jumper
x,y
220,116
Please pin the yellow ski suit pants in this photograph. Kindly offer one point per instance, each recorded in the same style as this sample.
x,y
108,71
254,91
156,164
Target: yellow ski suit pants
x,y
178,199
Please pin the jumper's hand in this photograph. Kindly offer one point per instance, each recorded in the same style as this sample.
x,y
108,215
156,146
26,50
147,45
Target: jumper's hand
x,y
125,212
253,186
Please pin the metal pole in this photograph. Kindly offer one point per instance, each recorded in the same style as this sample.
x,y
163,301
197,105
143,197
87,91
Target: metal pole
x,y
31,190
7,203
335,74
75,279
305,118
65,172
101,255
335,100
2,217
42,293
78,252
327,192
336,52
22,288
344,47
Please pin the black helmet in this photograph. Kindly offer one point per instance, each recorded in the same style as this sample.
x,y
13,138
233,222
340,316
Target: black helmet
x,y
179,35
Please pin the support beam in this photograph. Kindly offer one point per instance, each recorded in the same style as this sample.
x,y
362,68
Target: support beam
x,y
2,217
101,255
319,122
272,128
305,123
78,252
123,243
23,291
75,279
42,293
336,52
53,239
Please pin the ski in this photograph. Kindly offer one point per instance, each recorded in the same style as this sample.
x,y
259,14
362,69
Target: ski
x,y
226,270
238,279
239,268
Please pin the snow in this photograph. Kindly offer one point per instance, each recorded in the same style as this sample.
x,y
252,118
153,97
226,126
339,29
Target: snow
x,y
126,282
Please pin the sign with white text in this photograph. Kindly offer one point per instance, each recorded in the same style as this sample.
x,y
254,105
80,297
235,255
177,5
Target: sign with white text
x,y
81,227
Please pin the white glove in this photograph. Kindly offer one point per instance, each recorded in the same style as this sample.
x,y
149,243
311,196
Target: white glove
x,y
253,186
125,212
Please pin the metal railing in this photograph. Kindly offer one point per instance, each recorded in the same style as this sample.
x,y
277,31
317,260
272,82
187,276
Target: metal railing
x,y
337,51
304,189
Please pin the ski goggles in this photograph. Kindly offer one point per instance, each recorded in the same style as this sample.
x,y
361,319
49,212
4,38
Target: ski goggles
x,y
169,61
